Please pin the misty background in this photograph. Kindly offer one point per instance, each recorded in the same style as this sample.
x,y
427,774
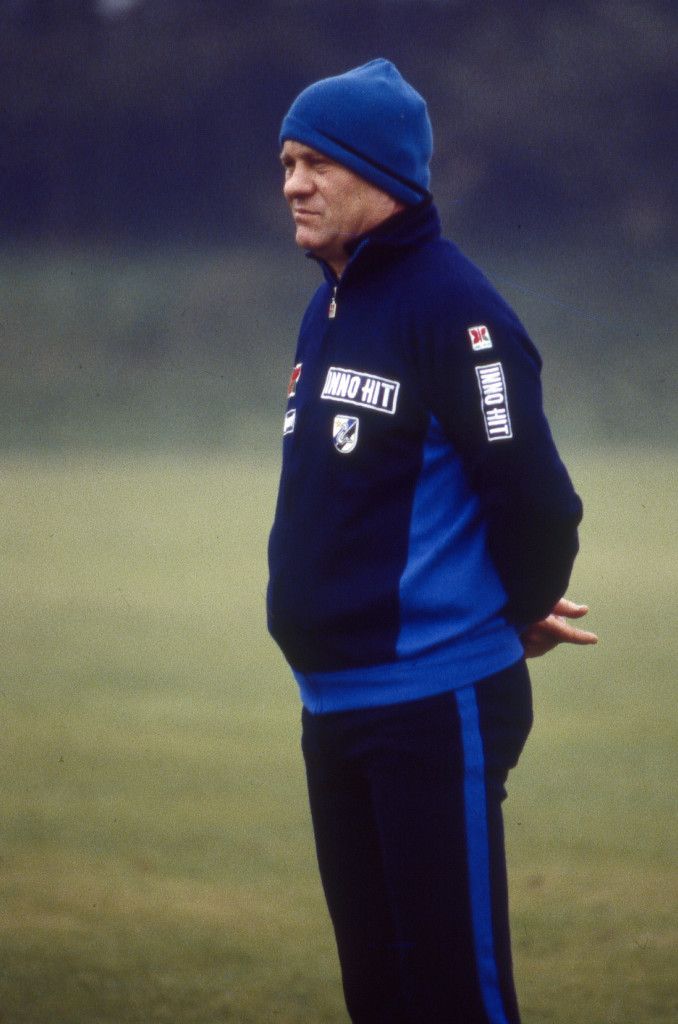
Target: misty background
x,y
150,290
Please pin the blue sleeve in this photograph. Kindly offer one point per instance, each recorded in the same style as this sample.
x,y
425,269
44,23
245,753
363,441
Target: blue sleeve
x,y
484,386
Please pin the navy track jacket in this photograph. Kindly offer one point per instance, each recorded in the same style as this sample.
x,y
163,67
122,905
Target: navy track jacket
x,y
424,516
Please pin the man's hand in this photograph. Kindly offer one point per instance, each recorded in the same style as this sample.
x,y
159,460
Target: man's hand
x,y
543,636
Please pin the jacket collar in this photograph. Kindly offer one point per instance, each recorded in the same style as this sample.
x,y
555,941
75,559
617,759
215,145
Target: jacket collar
x,y
411,226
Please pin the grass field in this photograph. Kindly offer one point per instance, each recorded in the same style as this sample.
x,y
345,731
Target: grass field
x,y
156,860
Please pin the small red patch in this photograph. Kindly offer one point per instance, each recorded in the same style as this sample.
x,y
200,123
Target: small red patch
x,y
480,338
296,374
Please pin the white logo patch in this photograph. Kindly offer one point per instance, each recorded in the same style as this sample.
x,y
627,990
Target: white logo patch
x,y
480,338
494,401
290,417
345,433
364,389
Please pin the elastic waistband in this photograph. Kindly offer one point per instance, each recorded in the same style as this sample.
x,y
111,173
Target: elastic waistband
x,y
400,681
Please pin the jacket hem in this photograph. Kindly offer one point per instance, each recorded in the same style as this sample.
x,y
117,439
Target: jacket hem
x,y
406,680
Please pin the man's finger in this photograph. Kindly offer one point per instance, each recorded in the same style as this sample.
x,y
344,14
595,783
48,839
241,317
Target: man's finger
x,y
556,626
579,636
570,609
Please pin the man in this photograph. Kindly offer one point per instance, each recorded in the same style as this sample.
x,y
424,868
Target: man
x,y
424,536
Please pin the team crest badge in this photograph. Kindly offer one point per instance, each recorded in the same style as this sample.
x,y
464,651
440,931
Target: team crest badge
x,y
345,433
480,338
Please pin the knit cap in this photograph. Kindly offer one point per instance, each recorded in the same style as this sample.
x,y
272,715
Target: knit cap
x,y
371,121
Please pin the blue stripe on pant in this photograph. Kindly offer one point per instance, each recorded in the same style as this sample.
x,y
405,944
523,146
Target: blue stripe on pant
x,y
406,807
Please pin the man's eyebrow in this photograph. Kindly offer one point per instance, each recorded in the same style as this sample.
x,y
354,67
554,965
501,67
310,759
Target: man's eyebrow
x,y
309,156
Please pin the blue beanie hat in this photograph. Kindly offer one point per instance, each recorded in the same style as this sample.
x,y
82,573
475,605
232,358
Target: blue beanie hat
x,y
371,121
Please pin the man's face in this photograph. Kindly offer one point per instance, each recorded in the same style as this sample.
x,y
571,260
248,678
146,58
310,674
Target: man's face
x,y
330,203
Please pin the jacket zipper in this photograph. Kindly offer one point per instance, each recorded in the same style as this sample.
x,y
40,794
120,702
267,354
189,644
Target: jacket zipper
x,y
332,312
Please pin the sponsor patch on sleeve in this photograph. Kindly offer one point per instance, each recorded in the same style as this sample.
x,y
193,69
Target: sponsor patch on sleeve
x,y
494,401
363,389
480,338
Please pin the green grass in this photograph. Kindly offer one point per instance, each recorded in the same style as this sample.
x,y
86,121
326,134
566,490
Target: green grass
x,y
156,858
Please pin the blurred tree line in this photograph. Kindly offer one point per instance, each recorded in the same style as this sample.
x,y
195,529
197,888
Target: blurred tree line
x,y
146,120
144,240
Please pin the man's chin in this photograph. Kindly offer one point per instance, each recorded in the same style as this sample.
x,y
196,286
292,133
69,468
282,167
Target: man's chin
x,y
310,240
317,246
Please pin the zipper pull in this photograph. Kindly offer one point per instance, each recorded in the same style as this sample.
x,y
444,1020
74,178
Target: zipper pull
x,y
332,312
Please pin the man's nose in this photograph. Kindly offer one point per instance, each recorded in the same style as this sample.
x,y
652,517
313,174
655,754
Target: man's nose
x,y
298,183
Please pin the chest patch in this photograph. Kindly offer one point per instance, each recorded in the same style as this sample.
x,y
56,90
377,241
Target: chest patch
x,y
345,433
290,419
294,379
363,389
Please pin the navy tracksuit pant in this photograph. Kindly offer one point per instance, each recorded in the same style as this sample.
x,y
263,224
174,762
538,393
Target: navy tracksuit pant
x,y
406,808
